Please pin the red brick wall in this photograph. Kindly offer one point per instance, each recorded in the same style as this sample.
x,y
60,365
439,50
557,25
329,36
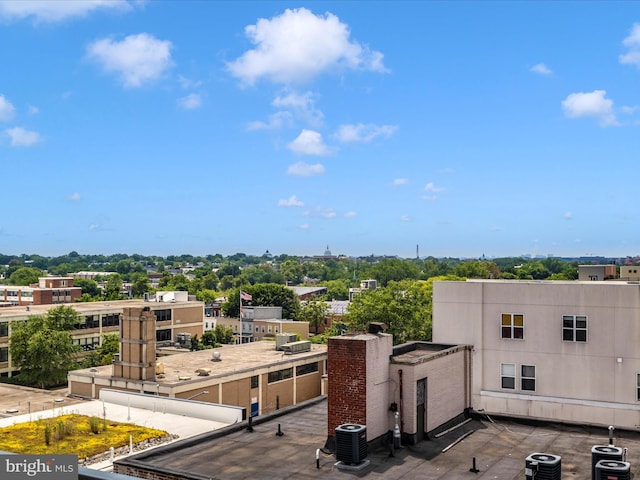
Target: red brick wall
x,y
347,388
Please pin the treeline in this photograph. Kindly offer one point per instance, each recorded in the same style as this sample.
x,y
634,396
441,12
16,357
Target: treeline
x,y
211,276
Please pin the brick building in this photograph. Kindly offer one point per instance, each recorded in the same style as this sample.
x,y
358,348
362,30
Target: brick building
x,y
48,291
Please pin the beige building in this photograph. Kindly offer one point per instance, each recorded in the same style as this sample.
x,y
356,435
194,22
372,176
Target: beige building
x,y
98,318
560,351
630,273
255,376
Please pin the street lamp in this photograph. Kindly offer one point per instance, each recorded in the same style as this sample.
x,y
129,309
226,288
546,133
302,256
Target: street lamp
x,y
205,392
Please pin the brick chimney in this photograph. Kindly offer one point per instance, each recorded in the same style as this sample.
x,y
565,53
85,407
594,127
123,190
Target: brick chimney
x,y
358,387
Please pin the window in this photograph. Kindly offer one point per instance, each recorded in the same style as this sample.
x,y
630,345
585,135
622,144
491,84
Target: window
x,y
4,354
306,369
4,329
637,386
574,328
89,321
512,325
87,344
528,377
111,320
162,315
280,375
255,379
508,375
163,335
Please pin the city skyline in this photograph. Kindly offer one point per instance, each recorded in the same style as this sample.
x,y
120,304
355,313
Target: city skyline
x,y
467,128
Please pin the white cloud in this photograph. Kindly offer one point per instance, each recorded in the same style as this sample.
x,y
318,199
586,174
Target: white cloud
x,y
541,69
592,104
304,226
629,110
7,110
302,169
430,198
632,42
405,218
327,212
302,105
57,10
363,133
309,142
297,45
292,201
74,197
275,122
190,102
430,187
137,59
568,216
21,137
400,181
32,110
187,83
350,214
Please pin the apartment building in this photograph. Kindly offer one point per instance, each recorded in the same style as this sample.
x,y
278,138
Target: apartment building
x,y
560,351
48,291
98,318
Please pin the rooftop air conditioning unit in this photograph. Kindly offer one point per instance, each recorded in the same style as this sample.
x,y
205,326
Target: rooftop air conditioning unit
x,y
351,443
613,470
296,347
543,466
282,338
603,452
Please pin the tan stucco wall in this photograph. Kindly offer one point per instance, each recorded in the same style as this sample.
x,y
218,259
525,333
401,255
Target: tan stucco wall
x,y
590,382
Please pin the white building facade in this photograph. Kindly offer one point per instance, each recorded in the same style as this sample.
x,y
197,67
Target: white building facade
x,y
559,351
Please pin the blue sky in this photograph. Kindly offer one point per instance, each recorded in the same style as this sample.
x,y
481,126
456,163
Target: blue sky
x,y
467,128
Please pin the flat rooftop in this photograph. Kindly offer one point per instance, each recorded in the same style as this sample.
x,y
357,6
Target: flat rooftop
x,y
89,307
17,400
233,359
499,446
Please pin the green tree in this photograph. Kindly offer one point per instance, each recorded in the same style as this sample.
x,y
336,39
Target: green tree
x,y
209,338
109,347
223,334
314,312
405,307
42,347
292,271
336,290
140,284
113,288
25,276
196,344
392,269
89,287
477,269
103,355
